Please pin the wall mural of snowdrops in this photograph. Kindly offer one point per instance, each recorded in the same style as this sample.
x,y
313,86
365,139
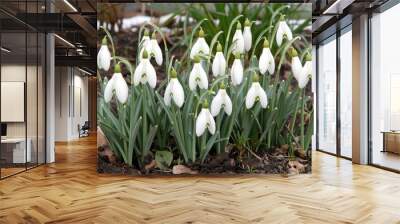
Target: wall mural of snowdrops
x,y
215,88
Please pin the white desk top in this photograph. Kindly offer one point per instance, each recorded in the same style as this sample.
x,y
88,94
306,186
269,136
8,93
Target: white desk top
x,y
13,140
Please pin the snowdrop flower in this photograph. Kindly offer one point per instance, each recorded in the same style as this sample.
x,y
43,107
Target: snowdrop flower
x,y
219,63
197,76
305,72
238,40
283,31
104,56
152,47
247,35
256,93
266,62
174,91
205,121
144,72
237,71
296,63
118,85
200,47
221,100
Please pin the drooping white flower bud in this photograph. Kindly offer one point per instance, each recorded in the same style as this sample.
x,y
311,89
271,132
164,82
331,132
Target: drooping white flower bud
x,y
256,93
237,71
145,72
118,84
205,121
219,63
221,101
174,91
238,40
247,35
104,56
267,61
197,76
200,47
283,31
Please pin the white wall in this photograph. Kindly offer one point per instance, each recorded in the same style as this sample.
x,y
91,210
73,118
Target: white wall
x,y
71,87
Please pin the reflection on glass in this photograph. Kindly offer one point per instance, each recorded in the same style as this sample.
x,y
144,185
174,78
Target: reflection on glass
x,y
13,86
327,96
385,84
346,94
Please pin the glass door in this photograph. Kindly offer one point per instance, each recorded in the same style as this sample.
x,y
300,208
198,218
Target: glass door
x,y
346,92
327,96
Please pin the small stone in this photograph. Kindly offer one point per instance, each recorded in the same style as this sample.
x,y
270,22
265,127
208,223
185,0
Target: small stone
x,y
181,169
295,167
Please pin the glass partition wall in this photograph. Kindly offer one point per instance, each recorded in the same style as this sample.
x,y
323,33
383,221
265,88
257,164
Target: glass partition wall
x,y
385,89
334,94
22,77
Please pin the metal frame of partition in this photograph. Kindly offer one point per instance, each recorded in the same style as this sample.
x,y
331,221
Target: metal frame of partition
x,y
43,54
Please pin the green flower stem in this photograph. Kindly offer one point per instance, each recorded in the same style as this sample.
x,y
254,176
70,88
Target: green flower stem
x,y
302,118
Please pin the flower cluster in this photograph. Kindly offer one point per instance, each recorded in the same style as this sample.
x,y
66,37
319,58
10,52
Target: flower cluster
x,y
198,80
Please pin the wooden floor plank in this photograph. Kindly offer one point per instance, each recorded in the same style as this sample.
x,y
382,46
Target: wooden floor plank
x,y
70,191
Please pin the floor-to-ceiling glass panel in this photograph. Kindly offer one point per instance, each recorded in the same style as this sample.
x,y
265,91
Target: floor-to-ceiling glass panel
x,y
385,89
15,151
327,96
346,92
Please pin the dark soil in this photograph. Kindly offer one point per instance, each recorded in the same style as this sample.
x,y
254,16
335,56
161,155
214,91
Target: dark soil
x,y
274,162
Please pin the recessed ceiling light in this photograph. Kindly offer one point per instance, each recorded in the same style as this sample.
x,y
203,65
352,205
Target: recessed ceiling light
x,y
70,5
5,50
64,40
84,71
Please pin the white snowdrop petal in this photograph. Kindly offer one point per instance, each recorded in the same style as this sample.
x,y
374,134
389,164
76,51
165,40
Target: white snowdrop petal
x,y
121,88
195,49
219,64
167,94
303,81
271,62
307,67
201,122
296,67
238,42
204,48
247,38
104,58
203,83
151,76
263,62
177,92
287,31
108,90
211,123
227,105
237,72
137,75
262,95
251,96
279,34
192,80
156,50
216,104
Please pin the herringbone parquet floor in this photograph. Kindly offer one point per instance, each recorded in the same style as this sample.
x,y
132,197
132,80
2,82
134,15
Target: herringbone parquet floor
x,y
70,191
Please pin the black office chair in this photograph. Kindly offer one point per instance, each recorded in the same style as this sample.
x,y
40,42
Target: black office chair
x,y
84,130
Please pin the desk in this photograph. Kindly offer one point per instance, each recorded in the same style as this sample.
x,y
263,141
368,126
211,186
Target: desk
x,y
391,141
16,147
